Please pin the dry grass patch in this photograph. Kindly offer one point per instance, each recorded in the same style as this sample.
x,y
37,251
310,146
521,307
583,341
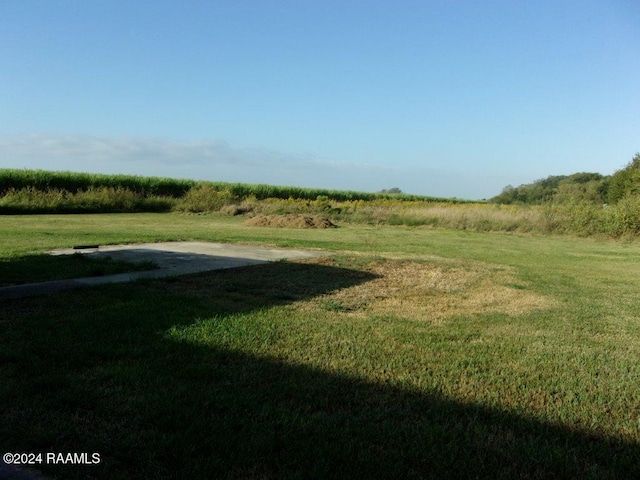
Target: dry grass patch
x,y
290,221
432,292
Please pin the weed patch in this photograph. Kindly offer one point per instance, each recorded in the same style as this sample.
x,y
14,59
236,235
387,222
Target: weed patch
x,y
290,221
432,292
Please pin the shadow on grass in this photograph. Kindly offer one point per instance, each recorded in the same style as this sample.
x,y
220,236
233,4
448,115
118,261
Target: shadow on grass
x,y
45,267
95,371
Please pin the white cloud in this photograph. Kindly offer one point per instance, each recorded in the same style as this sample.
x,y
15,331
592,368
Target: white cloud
x,y
217,160
83,148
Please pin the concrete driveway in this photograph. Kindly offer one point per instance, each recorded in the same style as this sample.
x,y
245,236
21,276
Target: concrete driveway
x,y
171,258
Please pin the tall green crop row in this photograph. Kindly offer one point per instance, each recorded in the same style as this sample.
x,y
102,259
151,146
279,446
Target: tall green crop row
x,y
167,187
262,192
93,200
73,182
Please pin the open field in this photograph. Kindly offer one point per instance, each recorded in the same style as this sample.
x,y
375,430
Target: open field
x,y
43,192
411,353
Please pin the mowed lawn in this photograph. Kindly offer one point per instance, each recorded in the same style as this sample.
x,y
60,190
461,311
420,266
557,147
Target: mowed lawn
x,y
409,353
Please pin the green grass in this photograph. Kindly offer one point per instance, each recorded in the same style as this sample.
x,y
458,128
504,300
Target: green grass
x,y
412,353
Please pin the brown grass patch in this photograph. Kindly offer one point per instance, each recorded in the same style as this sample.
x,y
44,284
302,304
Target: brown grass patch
x,y
432,292
290,221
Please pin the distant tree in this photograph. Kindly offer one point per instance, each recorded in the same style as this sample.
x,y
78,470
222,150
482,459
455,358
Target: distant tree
x,y
391,190
625,181
583,177
583,187
558,188
508,196
534,193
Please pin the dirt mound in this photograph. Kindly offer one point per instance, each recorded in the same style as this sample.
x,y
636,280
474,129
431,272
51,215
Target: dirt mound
x,y
290,221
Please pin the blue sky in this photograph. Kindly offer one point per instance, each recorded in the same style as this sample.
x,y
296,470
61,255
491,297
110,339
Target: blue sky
x,y
446,98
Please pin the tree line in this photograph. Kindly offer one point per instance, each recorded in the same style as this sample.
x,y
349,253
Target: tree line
x,y
579,187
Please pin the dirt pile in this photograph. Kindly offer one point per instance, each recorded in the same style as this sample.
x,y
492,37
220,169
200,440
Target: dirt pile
x,y
290,221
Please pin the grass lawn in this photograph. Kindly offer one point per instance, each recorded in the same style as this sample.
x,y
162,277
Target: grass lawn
x,y
410,353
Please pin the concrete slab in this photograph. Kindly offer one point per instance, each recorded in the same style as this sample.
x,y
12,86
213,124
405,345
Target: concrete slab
x,y
171,258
